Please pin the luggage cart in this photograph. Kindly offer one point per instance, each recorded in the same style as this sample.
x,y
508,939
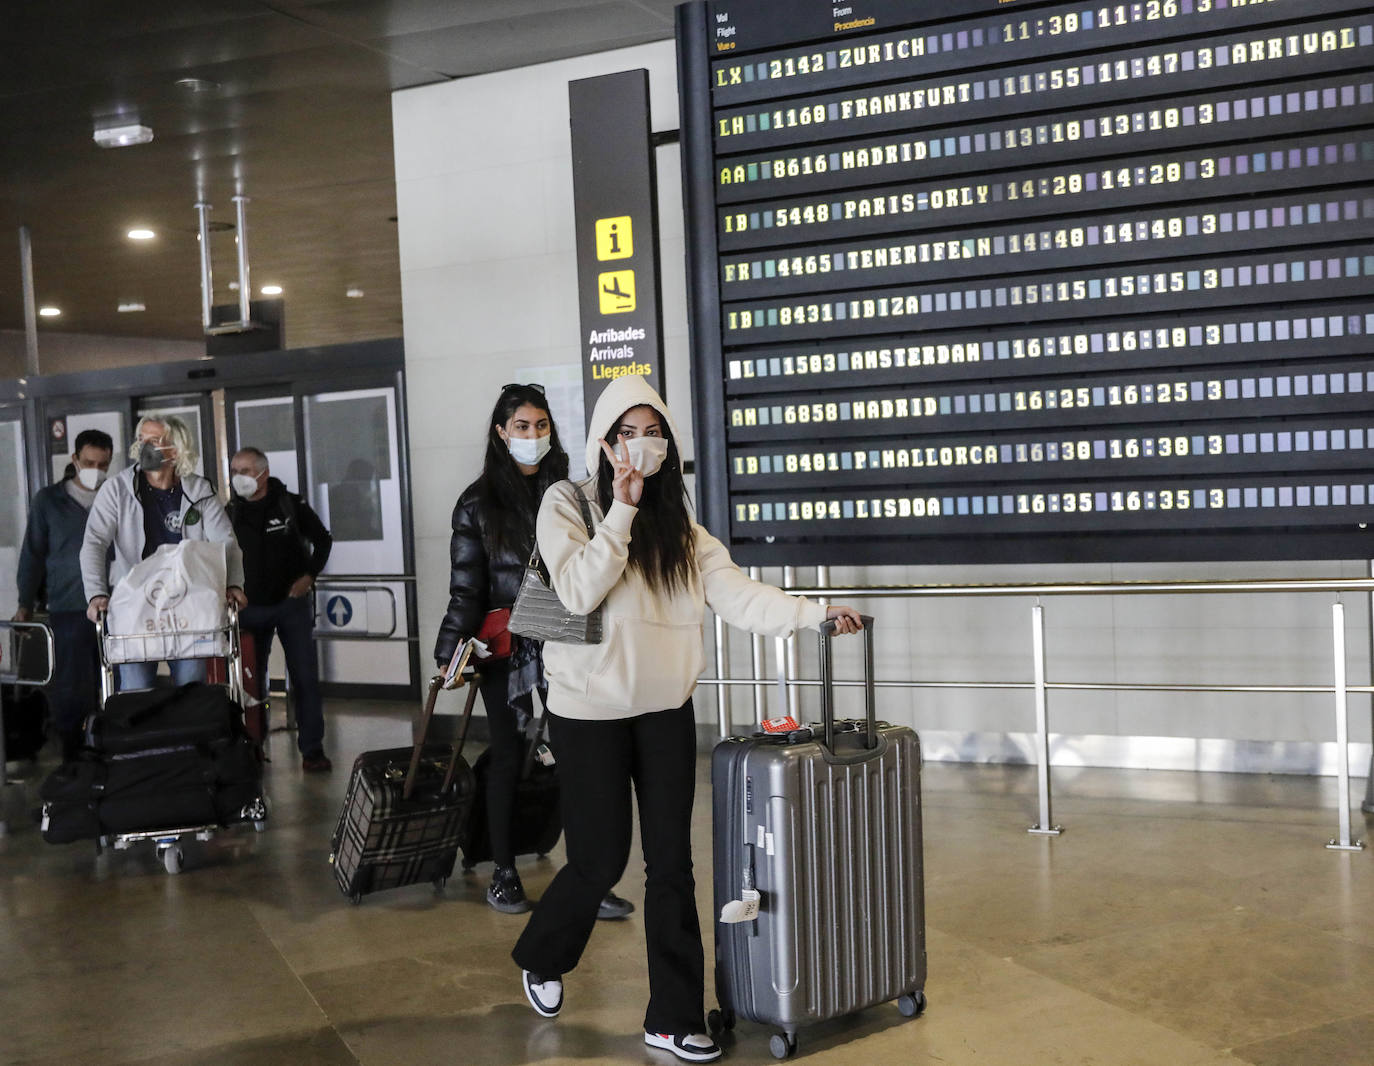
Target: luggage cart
x,y
222,642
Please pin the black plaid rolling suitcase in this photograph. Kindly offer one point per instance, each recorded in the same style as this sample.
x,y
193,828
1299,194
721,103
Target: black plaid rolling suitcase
x,y
405,810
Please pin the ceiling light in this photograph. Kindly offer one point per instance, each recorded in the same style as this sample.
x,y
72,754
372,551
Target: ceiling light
x,y
125,308
50,312
196,85
354,293
233,286
141,235
270,290
123,136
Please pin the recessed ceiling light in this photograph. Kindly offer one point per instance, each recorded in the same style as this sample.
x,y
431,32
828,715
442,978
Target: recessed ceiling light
x,y
141,235
125,308
355,293
196,85
270,290
123,136
50,312
233,286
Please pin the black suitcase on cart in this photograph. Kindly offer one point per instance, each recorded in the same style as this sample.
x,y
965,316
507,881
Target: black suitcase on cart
x,y
818,872
405,811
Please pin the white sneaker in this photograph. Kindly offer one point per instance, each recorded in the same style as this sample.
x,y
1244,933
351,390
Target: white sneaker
x,y
694,1047
546,996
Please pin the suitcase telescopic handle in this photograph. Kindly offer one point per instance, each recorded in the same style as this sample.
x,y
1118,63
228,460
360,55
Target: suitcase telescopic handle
x,y
422,734
828,684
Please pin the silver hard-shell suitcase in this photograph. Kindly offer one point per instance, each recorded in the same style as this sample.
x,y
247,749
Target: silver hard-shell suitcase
x,y
827,831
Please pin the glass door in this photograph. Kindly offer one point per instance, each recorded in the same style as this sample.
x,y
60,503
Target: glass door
x,y
14,516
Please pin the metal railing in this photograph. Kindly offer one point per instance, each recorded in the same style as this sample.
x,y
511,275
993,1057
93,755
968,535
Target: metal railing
x,y
1340,688
11,673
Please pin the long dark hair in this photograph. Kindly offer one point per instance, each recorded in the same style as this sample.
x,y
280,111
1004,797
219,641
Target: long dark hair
x,y
661,546
510,500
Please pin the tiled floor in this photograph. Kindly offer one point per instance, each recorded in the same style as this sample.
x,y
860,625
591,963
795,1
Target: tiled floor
x,y
1181,920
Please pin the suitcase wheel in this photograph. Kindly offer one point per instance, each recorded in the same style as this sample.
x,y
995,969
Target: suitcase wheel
x,y
912,1005
720,1020
259,826
355,897
439,883
782,1045
171,857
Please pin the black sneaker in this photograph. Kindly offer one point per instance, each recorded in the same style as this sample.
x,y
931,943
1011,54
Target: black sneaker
x,y
690,1047
544,993
614,907
506,894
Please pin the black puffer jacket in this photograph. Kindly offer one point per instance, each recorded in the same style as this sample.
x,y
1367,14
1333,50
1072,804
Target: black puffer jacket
x,y
481,578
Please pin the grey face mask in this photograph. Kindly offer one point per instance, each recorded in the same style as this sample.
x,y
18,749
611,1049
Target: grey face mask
x,y
151,457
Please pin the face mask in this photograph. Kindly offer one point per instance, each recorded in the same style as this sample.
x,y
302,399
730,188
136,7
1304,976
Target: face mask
x,y
646,454
90,476
150,456
244,484
528,451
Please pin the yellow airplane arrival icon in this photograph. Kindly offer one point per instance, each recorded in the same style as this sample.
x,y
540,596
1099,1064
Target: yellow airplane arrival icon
x,y
616,291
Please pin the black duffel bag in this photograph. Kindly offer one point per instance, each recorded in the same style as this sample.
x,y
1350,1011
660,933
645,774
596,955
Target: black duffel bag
x,y
195,714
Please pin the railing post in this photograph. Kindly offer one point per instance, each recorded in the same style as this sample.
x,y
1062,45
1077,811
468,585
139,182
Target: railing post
x,y
1342,842
1045,826
1368,805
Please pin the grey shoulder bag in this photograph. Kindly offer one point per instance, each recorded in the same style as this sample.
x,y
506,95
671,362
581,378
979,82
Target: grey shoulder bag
x,y
538,613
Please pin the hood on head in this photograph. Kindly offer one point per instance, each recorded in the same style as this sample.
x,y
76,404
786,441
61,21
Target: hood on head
x,y
619,396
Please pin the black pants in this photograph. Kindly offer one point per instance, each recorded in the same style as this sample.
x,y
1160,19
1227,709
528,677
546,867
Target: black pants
x,y
74,689
293,620
598,761
507,747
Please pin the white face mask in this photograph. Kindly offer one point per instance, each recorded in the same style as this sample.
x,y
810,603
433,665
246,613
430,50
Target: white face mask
x,y
529,451
646,454
244,484
90,476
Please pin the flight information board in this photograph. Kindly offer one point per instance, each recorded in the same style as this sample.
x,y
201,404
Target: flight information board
x,y
986,282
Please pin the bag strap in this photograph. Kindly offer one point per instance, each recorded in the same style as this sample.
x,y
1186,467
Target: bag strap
x,y
537,738
585,508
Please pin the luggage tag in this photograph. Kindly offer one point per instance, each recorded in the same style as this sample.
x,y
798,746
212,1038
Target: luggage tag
x,y
746,908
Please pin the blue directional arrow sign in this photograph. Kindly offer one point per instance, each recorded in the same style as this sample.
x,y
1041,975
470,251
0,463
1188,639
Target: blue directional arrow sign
x,y
339,611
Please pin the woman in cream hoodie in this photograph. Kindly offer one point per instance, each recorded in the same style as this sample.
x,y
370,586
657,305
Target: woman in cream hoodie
x,y
620,712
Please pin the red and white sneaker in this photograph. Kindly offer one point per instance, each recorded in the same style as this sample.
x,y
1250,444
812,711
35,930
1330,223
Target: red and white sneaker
x,y
693,1047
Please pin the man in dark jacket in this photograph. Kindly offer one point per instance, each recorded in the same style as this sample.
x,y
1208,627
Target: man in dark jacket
x,y
51,557
285,546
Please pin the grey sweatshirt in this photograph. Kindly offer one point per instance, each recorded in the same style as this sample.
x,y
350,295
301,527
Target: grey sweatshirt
x,y
117,519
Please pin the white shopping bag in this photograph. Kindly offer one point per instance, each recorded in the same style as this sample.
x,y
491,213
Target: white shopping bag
x,y
170,606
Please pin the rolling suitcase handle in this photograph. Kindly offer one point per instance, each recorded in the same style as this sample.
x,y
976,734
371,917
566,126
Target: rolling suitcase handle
x,y
828,684
427,715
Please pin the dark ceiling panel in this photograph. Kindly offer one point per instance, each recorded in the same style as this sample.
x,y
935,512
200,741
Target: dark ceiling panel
x,y
299,119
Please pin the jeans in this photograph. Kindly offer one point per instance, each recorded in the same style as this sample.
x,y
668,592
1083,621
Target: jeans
x,y
293,621
73,691
141,675
599,762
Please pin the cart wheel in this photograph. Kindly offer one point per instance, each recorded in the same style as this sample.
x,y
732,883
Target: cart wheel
x,y
781,1046
355,898
260,826
171,859
439,883
912,1005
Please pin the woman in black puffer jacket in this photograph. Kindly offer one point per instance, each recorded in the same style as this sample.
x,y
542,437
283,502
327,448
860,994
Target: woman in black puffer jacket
x,y
493,536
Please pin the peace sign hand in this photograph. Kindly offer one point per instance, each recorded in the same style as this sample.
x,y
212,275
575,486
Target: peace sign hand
x,y
628,483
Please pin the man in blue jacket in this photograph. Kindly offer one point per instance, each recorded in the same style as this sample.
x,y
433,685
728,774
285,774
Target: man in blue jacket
x,y
51,559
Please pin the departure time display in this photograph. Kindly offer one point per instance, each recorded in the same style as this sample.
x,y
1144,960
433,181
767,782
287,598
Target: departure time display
x,y
1031,281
